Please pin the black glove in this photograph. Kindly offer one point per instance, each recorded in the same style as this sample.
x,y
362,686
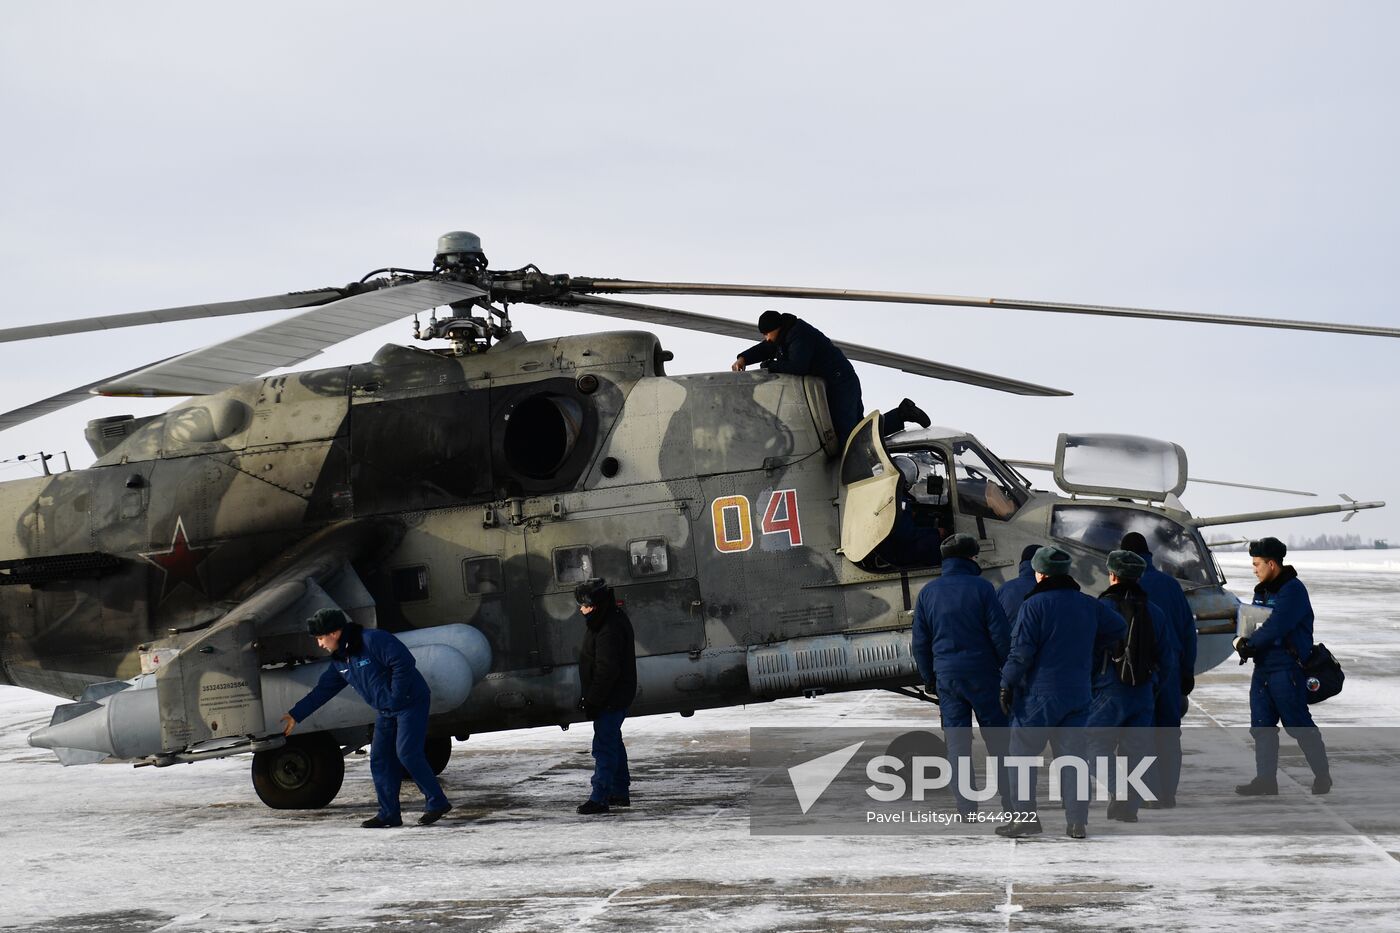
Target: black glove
x,y
1188,683
1007,699
1184,705
931,689
589,713
1244,649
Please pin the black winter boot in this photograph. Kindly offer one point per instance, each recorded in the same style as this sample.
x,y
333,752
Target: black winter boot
x,y
1259,787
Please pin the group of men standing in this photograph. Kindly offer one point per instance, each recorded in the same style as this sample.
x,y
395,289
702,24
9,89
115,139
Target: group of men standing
x,y
1038,661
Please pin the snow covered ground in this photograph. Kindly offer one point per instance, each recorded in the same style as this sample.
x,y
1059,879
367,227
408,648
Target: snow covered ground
x,y
190,848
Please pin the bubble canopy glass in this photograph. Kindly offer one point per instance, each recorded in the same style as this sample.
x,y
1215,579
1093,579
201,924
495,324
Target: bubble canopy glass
x,y
1119,465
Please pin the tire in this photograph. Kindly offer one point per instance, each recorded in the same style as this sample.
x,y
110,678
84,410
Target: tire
x,y
304,774
438,750
914,744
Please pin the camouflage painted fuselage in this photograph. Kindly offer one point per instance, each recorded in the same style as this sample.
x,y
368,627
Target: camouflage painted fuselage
x,y
499,479
490,484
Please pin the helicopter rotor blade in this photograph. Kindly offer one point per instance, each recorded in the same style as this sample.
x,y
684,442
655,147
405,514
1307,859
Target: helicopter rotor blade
x,y
288,342
622,286
46,406
285,343
653,314
165,315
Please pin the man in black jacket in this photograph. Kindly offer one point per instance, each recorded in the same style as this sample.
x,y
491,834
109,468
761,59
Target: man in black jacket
x,y
607,670
791,345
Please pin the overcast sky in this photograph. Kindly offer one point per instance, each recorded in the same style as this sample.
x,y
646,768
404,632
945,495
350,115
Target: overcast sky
x,y
1235,158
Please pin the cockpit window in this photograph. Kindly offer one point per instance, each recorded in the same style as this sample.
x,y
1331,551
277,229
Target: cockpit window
x,y
1175,549
983,489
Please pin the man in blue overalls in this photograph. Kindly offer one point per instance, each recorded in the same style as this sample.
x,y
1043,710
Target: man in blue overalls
x,y
1176,677
1014,591
1120,717
791,345
1279,688
384,674
1045,683
960,640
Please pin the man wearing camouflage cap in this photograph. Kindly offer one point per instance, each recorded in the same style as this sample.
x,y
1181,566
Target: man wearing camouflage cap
x,y
1278,689
960,640
1120,716
384,674
1045,683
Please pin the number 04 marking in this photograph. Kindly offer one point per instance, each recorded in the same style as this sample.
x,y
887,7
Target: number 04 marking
x,y
732,519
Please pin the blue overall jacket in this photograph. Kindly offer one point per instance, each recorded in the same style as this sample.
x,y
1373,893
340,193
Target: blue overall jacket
x,y
1290,623
1058,633
377,665
959,627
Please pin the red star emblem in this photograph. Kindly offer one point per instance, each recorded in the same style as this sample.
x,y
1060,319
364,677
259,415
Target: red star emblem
x,y
180,563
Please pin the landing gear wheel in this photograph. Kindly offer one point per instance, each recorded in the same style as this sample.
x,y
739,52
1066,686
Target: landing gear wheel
x,y
917,744
438,748
304,774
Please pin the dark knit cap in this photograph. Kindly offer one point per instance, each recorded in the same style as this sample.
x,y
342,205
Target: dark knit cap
x,y
325,621
1268,548
1135,542
1051,561
1028,551
769,320
960,545
1126,565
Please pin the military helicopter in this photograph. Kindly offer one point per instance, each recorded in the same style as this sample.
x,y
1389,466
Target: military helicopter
x,y
457,493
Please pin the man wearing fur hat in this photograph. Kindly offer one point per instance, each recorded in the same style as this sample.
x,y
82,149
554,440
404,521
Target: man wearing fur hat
x,y
791,345
960,640
1045,683
384,674
1120,716
1278,689
607,670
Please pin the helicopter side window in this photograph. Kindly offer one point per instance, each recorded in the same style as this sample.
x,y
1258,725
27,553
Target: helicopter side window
x,y
481,576
1175,549
572,565
410,584
648,557
983,491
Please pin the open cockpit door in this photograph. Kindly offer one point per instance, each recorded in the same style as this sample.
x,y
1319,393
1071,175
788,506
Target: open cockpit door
x,y
869,485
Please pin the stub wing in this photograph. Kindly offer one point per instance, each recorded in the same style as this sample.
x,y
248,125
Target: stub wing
x,y
206,685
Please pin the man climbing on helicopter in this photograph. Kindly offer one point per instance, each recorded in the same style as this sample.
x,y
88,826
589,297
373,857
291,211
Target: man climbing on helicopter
x,y
791,345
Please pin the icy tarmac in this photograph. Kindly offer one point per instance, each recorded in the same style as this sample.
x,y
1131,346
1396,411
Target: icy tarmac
x,y
190,848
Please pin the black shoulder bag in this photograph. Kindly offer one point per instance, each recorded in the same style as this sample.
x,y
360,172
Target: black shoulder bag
x,y
1324,673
